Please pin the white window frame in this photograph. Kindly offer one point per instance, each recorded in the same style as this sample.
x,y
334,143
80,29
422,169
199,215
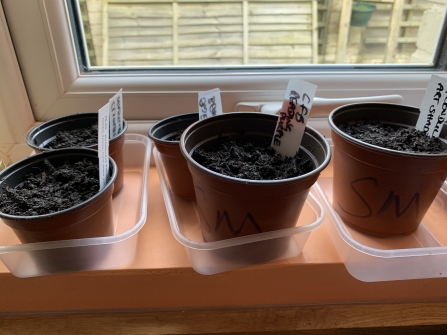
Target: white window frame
x,y
16,116
56,86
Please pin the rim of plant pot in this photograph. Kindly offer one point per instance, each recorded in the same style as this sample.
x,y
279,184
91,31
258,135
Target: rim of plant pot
x,y
32,160
166,123
382,108
37,130
309,131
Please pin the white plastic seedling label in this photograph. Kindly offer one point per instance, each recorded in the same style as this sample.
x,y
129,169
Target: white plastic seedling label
x,y
116,114
103,144
293,116
434,107
210,104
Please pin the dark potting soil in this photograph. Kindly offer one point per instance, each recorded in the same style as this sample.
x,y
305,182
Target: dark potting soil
x,y
75,138
390,137
52,190
248,160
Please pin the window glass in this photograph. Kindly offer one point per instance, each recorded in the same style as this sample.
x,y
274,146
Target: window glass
x,y
135,33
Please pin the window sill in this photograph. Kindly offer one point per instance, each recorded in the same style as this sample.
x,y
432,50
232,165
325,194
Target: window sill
x,y
161,278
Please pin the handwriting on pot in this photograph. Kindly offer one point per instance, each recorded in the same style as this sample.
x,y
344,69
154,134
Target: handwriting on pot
x,y
293,117
210,104
433,111
383,205
248,219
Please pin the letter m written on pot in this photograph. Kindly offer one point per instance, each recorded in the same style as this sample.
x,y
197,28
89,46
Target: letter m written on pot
x,y
293,116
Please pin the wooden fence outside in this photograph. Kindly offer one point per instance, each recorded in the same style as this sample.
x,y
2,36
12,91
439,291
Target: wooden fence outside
x,y
210,32
392,29
233,32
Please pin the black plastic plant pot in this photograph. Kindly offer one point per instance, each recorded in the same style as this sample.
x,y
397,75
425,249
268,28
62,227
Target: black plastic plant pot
x,y
232,207
40,137
162,133
91,218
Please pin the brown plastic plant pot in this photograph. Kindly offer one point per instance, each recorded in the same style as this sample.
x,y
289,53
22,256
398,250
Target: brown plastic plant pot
x,y
232,207
40,136
381,191
177,170
91,218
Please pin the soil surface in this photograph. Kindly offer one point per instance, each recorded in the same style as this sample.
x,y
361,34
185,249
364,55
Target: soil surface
x,y
76,138
396,138
52,190
248,160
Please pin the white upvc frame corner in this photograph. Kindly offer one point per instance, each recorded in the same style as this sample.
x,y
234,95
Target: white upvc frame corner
x,y
16,116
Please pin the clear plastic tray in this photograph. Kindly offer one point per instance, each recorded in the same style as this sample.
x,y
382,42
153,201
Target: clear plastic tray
x,y
422,254
129,210
214,257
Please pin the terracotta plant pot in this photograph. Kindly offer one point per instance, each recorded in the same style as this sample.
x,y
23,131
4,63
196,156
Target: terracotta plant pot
x,y
382,191
40,136
91,218
232,207
179,176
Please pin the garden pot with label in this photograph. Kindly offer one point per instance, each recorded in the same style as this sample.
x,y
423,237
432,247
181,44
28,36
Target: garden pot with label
x,y
166,136
91,217
41,136
232,207
382,191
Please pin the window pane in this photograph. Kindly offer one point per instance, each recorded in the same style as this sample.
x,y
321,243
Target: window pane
x,y
207,33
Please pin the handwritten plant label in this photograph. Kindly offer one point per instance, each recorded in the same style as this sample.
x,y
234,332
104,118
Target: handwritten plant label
x,y
434,107
293,116
103,144
210,104
116,114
